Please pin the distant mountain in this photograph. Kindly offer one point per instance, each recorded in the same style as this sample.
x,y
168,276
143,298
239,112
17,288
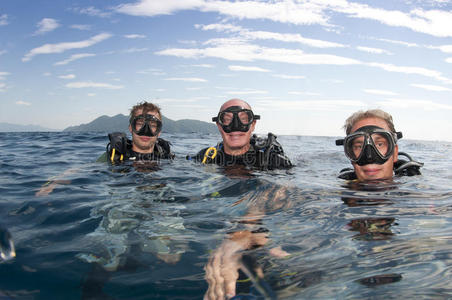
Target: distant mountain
x,y
7,127
120,123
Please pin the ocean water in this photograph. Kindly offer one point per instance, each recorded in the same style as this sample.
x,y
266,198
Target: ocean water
x,y
140,232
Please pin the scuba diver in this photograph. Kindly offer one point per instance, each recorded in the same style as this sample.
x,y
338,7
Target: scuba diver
x,y
236,122
371,146
145,125
145,149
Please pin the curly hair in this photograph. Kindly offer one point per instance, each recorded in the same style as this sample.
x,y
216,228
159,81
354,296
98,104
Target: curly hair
x,y
145,107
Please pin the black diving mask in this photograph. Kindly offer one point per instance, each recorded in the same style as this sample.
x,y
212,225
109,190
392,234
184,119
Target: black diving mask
x,y
235,118
145,124
369,145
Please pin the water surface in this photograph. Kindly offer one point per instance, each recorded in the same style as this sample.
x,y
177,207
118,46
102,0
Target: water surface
x,y
128,232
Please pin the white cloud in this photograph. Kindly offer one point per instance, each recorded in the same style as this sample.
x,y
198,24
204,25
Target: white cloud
x,y
373,50
203,66
247,92
235,50
444,48
134,36
68,76
247,69
399,42
3,75
46,74
73,57
324,105
152,71
93,12
284,76
62,47
81,26
79,85
279,11
266,35
434,22
449,60
379,92
4,20
429,87
2,87
415,104
304,93
20,102
189,79
46,25
152,8
411,70
135,50
91,94
3,52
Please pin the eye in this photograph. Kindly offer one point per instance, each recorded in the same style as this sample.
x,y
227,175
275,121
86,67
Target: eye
x,y
244,117
139,123
226,118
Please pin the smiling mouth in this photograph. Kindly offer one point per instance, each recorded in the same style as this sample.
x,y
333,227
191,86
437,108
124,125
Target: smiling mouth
x,y
371,171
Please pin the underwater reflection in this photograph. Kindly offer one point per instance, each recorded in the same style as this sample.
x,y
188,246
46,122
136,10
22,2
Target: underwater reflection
x,y
372,228
380,279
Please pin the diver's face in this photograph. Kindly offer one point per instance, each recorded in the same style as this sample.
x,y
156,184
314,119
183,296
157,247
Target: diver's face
x,y
143,143
375,171
236,142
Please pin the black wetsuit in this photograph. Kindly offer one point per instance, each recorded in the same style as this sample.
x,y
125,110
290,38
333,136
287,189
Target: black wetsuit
x,y
263,154
122,148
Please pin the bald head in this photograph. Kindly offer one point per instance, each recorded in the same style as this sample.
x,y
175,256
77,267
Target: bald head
x,y
235,102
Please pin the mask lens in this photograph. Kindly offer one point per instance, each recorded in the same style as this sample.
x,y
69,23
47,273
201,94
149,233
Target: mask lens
x,y
382,143
354,146
138,123
226,118
245,117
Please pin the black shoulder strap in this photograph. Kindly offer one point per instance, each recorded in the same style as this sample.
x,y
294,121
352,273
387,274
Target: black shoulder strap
x,y
163,148
271,153
402,167
408,167
119,147
347,174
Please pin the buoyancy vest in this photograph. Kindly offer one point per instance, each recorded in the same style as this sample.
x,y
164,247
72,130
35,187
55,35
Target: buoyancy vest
x,y
264,153
402,167
120,149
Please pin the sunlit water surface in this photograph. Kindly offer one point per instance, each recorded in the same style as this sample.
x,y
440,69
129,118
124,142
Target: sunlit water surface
x,y
126,233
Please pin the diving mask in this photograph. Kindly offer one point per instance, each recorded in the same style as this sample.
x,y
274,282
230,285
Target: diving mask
x,y
369,145
235,118
146,124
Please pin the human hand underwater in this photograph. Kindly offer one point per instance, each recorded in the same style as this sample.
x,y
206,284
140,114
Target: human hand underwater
x,y
55,181
49,187
222,270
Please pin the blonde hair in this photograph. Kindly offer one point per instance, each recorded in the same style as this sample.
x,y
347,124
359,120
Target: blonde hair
x,y
371,113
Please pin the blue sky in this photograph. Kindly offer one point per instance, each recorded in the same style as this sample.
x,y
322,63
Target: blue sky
x,y
304,66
